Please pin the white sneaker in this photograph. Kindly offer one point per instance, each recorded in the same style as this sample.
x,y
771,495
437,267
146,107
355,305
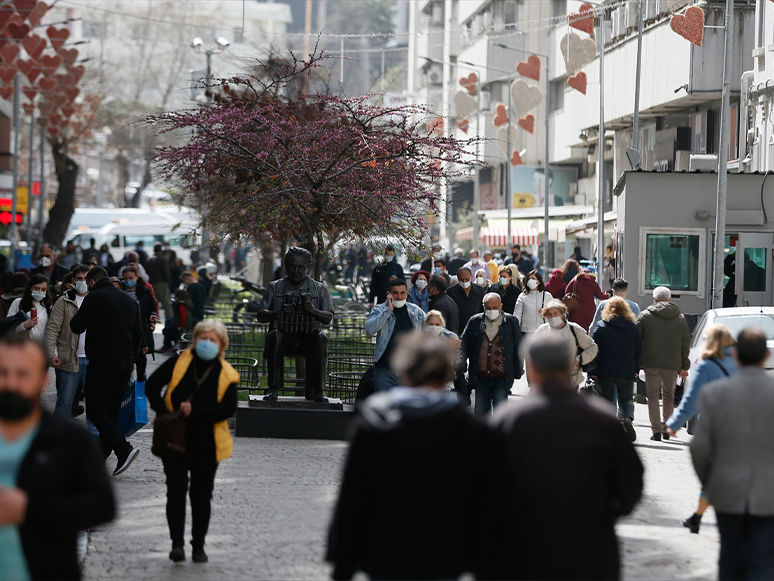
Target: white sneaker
x,y
123,465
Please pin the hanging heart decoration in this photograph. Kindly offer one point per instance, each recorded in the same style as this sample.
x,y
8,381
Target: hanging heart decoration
x,y
57,99
525,97
17,31
9,53
435,126
516,158
46,84
64,79
24,7
6,16
578,82
68,56
577,52
470,83
54,118
528,123
34,45
28,69
37,13
462,125
28,108
45,108
30,93
583,19
690,26
53,131
6,92
67,111
57,37
50,64
502,137
76,72
501,115
7,74
464,104
530,68
72,93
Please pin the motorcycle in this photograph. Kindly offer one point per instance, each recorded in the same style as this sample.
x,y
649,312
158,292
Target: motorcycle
x,y
245,310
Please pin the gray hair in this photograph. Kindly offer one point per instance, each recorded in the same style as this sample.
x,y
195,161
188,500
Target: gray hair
x,y
662,293
550,354
421,361
488,296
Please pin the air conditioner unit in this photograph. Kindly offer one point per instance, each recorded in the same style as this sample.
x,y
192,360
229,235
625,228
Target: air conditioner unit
x,y
651,10
486,100
682,160
632,15
663,7
703,162
436,18
614,22
619,22
435,74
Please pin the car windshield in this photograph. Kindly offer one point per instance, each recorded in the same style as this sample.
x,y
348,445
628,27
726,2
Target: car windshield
x,y
736,323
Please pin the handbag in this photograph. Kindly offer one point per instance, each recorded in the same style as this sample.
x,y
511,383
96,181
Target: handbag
x,y
134,408
572,299
587,367
169,429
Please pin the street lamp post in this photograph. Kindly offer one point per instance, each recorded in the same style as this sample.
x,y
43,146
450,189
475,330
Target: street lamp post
x,y
546,191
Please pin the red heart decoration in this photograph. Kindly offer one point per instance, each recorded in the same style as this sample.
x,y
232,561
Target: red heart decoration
x,y
57,37
34,45
64,79
6,92
516,159
68,56
45,108
24,7
57,99
53,131
5,17
28,108
17,31
46,84
68,111
9,53
30,93
501,115
435,126
55,118
76,72
72,93
578,82
37,13
530,68
690,26
50,64
28,69
7,74
470,83
462,125
583,19
528,123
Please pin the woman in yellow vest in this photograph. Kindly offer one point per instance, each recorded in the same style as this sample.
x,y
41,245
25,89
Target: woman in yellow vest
x,y
202,385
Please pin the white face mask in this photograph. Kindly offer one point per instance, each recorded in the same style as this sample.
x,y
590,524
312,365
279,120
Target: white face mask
x,y
399,304
532,284
492,314
555,322
38,295
480,280
421,284
474,260
465,284
504,281
81,287
434,331
45,262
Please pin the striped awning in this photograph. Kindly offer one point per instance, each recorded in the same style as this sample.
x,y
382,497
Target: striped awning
x,y
498,237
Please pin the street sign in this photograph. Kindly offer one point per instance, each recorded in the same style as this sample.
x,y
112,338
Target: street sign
x,y
35,188
22,200
5,218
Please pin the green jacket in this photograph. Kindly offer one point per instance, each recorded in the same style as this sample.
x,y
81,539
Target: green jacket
x,y
666,338
198,296
59,340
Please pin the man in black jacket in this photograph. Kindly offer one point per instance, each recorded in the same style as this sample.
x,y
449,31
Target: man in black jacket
x,y
382,275
159,277
52,270
468,296
113,341
52,480
439,301
572,471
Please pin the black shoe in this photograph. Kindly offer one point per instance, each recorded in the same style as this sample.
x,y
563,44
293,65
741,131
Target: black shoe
x,y
319,397
177,554
77,411
272,395
656,437
693,523
629,429
124,461
199,557
665,436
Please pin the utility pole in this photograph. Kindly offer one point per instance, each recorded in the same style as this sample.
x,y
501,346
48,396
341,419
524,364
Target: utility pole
x,y
601,146
725,125
30,178
14,195
636,126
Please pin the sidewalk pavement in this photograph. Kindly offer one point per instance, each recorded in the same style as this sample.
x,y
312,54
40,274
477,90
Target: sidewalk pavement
x,y
273,500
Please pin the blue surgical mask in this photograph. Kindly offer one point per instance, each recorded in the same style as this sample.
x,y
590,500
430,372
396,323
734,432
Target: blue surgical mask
x,y
388,258
436,271
131,283
206,349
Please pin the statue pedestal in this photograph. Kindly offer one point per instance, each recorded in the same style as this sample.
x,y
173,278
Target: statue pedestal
x,y
293,418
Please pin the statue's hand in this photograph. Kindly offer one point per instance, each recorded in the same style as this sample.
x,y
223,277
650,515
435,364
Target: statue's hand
x,y
309,308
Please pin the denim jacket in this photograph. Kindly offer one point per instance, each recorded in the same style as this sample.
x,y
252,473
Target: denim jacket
x,y
381,322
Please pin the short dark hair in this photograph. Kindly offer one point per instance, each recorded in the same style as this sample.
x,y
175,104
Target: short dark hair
x,y
541,285
298,251
751,346
157,248
438,283
96,273
389,247
461,268
620,284
397,282
79,268
186,273
516,246
21,340
577,250
441,260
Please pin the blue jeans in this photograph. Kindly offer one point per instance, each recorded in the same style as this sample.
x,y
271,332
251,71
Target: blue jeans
x,y
68,383
384,379
746,543
625,389
490,391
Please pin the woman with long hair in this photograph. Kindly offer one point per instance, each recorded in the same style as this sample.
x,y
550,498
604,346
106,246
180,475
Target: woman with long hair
x,y
34,303
570,270
555,284
14,289
586,287
716,361
508,286
418,293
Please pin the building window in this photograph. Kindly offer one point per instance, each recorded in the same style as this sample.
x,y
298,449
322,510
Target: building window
x,y
557,94
510,12
674,259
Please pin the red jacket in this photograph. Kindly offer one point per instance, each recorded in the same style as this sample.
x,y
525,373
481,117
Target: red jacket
x,y
556,285
586,288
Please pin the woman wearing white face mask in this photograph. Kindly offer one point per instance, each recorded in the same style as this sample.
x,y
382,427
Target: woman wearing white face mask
x,y
35,306
555,313
532,299
435,325
508,286
418,293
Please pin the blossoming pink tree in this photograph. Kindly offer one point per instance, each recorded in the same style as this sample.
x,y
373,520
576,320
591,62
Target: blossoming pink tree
x,y
268,158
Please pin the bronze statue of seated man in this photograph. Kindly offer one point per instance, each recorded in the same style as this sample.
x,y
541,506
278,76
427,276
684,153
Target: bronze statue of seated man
x,y
297,307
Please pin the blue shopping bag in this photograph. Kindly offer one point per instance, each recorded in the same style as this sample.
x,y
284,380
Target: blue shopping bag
x,y
134,409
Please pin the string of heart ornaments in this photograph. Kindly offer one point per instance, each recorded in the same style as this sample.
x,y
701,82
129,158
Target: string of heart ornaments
x,y
52,76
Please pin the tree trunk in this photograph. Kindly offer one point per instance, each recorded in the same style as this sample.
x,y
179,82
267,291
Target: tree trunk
x,y
267,254
146,179
64,206
123,175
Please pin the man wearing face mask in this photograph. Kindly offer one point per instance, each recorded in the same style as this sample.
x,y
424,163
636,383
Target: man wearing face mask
x,y
390,320
477,268
52,270
468,298
112,319
440,301
439,268
436,254
522,262
66,351
380,279
52,480
490,354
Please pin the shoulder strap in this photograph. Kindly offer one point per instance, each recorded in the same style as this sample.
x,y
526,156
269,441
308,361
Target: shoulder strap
x,y
574,336
716,362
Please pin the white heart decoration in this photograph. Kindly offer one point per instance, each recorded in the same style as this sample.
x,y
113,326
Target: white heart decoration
x,y
525,97
502,137
464,104
676,5
581,52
